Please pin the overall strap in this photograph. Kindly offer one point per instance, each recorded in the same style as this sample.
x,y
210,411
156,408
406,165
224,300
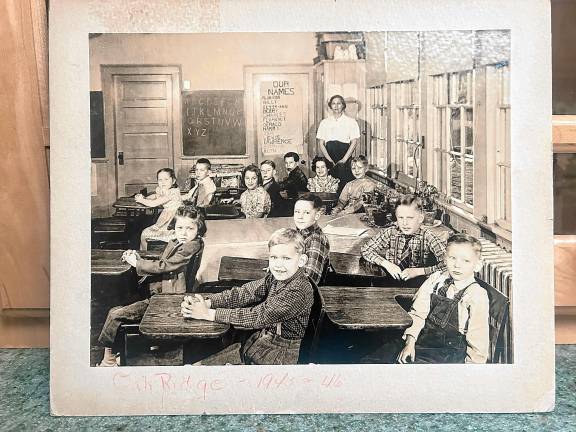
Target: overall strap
x,y
461,293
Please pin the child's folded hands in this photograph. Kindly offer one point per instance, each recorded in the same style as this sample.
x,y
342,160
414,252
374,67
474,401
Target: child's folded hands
x,y
196,307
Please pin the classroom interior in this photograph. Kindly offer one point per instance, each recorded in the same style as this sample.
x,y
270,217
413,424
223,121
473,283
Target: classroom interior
x,y
434,114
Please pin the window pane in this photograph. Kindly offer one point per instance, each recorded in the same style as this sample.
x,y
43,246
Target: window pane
x,y
410,121
508,195
410,160
469,182
505,86
462,87
441,127
456,177
455,130
469,132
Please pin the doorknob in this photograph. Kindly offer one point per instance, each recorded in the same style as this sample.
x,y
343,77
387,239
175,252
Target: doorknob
x,y
120,158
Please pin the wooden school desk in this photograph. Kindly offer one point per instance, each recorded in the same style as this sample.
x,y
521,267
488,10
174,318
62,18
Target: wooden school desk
x,y
329,199
354,265
109,262
130,206
163,320
366,308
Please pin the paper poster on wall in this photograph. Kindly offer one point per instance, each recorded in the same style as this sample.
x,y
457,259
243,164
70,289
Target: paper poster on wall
x,y
280,117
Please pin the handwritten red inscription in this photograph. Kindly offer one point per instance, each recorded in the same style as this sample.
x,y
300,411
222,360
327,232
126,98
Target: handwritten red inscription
x,y
202,389
167,383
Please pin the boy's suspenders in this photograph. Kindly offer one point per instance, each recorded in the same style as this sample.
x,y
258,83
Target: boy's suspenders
x,y
422,256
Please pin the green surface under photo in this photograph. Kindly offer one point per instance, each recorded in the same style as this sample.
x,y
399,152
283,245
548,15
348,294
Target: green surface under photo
x,y
24,394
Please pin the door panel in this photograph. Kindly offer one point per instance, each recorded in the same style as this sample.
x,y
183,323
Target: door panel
x,y
144,124
146,145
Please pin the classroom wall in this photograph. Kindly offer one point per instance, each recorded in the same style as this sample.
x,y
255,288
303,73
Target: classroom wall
x,y
210,61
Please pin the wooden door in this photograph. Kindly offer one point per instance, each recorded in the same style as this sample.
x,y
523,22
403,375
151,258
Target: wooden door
x,y
142,104
279,113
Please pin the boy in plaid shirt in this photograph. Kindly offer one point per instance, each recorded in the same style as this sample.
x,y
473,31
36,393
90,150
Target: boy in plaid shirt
x,y
408,253
278,305
306,215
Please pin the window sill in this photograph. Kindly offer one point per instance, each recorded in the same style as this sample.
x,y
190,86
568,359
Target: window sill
x,y
458,211
497,231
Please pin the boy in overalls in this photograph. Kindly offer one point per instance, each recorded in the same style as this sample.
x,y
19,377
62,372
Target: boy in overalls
x,y
450,312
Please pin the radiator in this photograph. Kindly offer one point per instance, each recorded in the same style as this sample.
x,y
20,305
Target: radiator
x,y
497,271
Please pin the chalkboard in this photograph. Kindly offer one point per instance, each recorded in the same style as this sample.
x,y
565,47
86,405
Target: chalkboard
x,y
213,123
97,149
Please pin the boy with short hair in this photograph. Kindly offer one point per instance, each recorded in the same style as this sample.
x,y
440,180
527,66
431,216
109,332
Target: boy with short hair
x,y
270,185
450,312
278,305
351,198
307,211
406,251
202,193
296,180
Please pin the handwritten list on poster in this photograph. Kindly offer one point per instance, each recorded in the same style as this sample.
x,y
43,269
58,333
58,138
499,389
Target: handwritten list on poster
x,y
280,117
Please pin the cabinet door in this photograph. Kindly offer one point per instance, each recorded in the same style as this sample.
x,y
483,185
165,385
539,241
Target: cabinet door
x,y
565,228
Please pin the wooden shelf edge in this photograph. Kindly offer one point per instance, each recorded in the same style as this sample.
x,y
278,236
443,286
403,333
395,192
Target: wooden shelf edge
x,y
564,133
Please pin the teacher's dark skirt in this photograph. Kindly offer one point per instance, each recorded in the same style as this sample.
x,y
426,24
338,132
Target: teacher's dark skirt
x,y
337,150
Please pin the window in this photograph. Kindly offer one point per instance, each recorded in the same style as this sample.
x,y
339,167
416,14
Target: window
x,y
453,136
500,75
377,111
406,126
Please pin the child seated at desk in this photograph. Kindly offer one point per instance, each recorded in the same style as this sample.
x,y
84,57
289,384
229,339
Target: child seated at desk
x,y
203,191
322,182
307,211
254,201
407,252
296,180
278,305
270,185
186,244
351,199
450,312
167,195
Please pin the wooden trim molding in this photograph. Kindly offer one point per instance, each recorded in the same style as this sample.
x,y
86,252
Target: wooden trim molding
x,y
564,133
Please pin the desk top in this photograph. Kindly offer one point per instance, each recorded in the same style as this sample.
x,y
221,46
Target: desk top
x,y
349,264
242,268
129,203
362,308
222,211
109,262
163,320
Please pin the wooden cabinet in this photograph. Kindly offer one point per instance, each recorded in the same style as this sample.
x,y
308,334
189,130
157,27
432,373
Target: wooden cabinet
x,y
24,255
564,135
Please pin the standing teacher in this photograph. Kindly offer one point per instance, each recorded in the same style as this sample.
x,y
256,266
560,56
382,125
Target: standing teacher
x,y
337,138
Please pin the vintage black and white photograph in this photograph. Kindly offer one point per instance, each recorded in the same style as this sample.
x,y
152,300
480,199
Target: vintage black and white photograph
x,y
337,197
310,207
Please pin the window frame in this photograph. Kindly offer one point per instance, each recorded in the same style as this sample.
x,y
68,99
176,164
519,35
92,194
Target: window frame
x,y
406,153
